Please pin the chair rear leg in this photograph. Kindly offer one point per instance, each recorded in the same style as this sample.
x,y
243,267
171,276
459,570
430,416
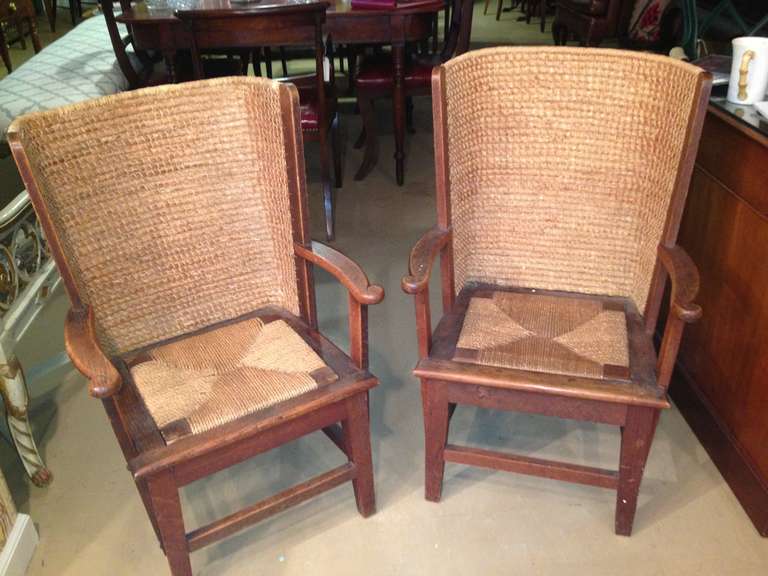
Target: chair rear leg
x,y
499,6
284,61
325,179
371,154
435,406
409,115
166,504
337,145
357,436
636,439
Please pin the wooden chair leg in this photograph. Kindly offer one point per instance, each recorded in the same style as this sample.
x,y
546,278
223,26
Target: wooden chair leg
x,y
141,486
166,504
36,45
256,57
409,115
371,154
435,406
20,32
325,178
73,11
284,61
4,52
485,7
357,436
499,6
337,146
268,61
543,10
636,439
50,10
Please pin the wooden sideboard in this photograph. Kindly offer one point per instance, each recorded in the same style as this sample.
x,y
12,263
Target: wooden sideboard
x,y
722,383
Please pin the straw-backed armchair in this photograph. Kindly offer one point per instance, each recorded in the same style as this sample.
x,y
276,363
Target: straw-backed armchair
x,y
556,227
185,251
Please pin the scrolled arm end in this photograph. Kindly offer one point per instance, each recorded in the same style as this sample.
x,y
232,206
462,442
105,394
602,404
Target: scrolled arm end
x,y
344,269
422,259
685,282
86,354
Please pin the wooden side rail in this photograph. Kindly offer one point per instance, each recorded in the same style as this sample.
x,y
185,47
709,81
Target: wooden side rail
x,y
532,466
270,506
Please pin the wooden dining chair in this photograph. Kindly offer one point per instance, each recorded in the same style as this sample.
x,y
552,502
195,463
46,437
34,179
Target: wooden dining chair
x,y
556,227
282,25
375,79
136,65
21,14
184,248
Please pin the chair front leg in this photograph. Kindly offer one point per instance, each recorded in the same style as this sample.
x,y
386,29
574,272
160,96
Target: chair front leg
x,y
358,333
357,440
436,416
636,440
169,519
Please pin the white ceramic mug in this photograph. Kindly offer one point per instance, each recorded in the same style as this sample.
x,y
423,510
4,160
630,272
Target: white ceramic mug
x,y
749,70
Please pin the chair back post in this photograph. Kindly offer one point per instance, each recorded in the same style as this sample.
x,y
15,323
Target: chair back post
x,y
679,196
442,184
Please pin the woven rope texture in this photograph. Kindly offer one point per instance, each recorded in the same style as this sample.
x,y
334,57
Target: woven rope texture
x,y
542,333
562,163
171,205
200,382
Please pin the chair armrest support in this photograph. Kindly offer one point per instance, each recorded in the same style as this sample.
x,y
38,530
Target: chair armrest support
x,y
685,286
361,293
86,354
685,282
422,259
344,269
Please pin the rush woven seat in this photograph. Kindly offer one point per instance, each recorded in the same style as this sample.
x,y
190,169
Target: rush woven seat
x,y
561,176
202,381
545,333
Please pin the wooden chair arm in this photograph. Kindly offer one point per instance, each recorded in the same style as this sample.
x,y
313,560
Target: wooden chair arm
x,y
86,354
685,285
685,282
422,259
344,269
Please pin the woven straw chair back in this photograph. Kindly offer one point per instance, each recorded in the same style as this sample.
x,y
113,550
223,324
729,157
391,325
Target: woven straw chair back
x,y
562,165
170,206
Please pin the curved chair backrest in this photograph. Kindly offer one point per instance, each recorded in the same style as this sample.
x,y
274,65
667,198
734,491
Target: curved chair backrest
x,y
564,168
173,208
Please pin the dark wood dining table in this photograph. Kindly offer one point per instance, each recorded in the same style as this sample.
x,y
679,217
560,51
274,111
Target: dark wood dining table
x,y
409,21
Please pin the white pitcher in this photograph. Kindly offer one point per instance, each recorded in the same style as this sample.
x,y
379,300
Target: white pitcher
x,y
749,70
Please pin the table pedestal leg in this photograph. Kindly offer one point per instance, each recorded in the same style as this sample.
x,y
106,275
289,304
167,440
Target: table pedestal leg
x,y
16,399
398,59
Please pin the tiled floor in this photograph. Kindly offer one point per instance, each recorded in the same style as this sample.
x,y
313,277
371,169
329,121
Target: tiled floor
x,y
91,521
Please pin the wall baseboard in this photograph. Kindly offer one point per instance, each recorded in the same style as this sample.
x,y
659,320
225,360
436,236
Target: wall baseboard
x,y
19,547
